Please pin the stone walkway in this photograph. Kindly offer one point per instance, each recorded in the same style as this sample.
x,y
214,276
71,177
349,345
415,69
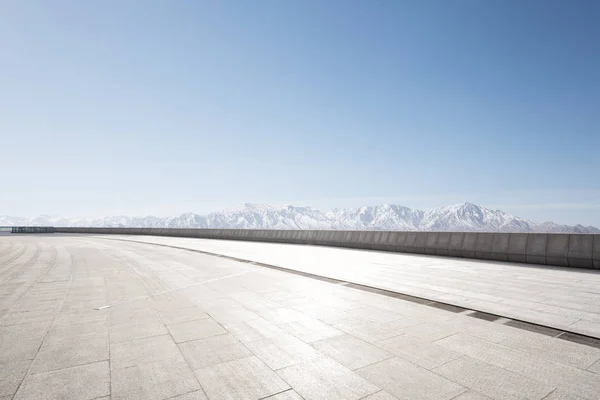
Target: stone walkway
x,y
562,298
91,318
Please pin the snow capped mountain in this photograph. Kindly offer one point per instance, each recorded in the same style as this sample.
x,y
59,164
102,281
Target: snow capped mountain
x,y
470,217
269,217
385,217
460,217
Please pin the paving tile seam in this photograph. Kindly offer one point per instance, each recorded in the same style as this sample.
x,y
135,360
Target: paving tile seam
x,y
29,263
373,289
15,257
169,291
276,394
109,341
64,368
68,289
8,248
368,365
549,394
466,391
36,282
185,359
433,370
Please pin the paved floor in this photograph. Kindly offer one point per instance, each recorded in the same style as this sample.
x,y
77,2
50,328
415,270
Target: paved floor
x,y
567,299
91,318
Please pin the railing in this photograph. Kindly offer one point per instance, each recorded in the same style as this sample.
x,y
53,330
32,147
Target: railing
x,y
32,229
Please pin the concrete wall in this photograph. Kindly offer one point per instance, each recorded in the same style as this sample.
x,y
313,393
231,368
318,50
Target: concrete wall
x,y
565,250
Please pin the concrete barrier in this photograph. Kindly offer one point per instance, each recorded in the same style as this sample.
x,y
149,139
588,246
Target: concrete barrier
x,y
536,248
581,249
375,241
596,252
469,245
557,249
517,247
392,238
430,242
381,242
567,250
409,243
355,237
443,243
483,246
456,240
400,244
420,241
500,246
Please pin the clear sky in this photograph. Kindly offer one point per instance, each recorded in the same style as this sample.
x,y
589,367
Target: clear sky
x,y
162,107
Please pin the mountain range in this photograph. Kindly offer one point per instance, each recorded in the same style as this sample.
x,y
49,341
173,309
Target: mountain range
x,y
460,217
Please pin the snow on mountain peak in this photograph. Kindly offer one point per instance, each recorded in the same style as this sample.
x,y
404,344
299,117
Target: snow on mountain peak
x,y
459,217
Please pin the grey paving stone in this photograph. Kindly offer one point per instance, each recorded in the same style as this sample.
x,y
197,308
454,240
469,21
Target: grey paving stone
x,y
25,317
368,331
230,315
376,314
254,303
590,328
282,351
23,331
80,317
153,381
381,395
255,329
83,382
493,381
185,314
429,331
405,380
287,395
12,375
328,315
18,350
142,351
555,349
595,367
425,354
136,330
171,301
542,330
76,332
128,314
69,354
350,351
214,350
244,379
472,395
197,329
310,330
573,380
195,395
282,315
479,328
558,394
322,378
46,305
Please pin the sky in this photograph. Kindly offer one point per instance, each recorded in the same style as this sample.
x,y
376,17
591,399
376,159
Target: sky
x,y
163,107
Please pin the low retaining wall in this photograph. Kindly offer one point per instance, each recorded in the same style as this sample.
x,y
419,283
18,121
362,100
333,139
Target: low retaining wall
x,y
567,250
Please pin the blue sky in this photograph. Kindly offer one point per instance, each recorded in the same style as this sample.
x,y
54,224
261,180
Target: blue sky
x,y
157,107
